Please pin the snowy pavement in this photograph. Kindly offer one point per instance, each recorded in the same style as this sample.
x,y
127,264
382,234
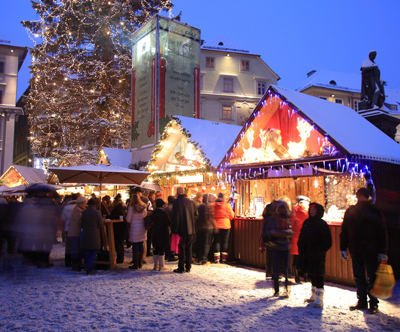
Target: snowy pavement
x,y
209,298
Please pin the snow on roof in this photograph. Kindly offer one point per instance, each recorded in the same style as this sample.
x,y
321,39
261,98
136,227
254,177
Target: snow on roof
x,y
214,138
30,174
7,41
349,129
118,157
222,43
323,78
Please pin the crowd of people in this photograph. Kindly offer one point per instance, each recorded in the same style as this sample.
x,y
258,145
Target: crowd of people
x,y
300,235
194,231
180,229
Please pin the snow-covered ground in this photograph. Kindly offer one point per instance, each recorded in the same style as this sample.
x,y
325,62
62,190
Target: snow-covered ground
x,y
209,298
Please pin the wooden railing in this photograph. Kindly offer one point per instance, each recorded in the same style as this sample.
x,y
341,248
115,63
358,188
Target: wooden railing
x,y
245,243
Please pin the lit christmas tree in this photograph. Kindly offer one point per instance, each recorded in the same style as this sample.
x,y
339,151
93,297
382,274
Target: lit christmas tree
x,y
80,90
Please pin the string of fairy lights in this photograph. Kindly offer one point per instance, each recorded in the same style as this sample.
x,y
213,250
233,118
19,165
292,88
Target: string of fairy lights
x,y
79,99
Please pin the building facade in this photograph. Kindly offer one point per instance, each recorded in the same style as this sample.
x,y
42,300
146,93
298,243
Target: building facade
x,y
12,57
232,81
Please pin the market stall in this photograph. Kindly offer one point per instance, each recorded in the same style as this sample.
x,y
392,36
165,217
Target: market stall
x,y
17,175
187,156
295,144
102,174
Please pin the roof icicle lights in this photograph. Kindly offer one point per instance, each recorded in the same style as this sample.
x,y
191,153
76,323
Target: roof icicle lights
x,y
276,131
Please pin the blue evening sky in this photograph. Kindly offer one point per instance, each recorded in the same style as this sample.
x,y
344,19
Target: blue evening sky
x,y
292,36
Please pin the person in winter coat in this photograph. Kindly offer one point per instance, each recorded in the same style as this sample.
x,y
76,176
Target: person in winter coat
x,y
267,212
279,231
74,233
118,210
204,230
66,214
5,230
38,232
161,231
364,234
174,238
92,222
137,231
299,214
314,241
147,243
105,206
223,214
198,199
184,215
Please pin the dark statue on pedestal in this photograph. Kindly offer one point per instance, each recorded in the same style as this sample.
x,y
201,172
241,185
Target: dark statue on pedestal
x,y
372,90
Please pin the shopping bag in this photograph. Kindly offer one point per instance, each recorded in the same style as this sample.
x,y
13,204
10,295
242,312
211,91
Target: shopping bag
x,y
384,282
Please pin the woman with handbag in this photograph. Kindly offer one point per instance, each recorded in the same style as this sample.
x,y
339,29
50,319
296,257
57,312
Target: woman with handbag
x,y
137,231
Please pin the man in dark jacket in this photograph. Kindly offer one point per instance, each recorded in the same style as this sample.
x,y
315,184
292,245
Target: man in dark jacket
x,y
91,242
184,216
364,233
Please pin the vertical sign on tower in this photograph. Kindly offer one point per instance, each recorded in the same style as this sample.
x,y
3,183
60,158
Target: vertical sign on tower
x,y
165,77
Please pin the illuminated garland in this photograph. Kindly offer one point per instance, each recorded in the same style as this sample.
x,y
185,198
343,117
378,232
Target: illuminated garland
x,y
162,175
79,98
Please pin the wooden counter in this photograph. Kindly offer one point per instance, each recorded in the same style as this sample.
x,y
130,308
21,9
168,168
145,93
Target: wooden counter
x,y
108,241
245,243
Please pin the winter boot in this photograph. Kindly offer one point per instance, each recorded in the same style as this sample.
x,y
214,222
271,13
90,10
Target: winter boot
x,y
135,261
161,263
296,275
286,292
276,287
156,264
319,298
216,257
312,298
224,257
141,257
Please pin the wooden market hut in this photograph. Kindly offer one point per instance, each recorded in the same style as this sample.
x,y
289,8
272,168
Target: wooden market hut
x,y
295,144
17,175
188,154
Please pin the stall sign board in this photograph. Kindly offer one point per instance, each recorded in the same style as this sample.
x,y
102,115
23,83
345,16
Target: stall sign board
x,y
279,173
190,178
